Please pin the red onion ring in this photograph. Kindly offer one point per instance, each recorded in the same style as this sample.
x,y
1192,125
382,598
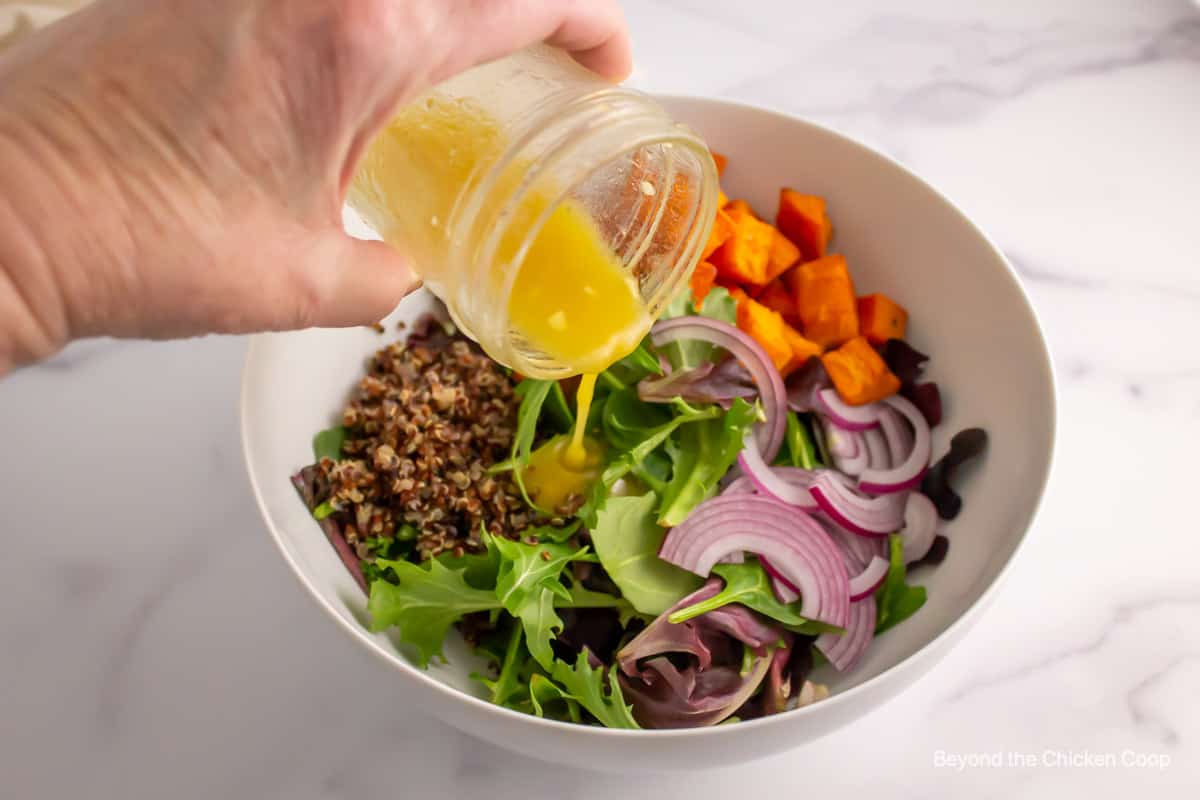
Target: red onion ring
x,y
844,415
770,482
795,544
844,650
848,449
920,527
866,516
784,590
857,550
867,581
750,354
878,454
906,474
897,433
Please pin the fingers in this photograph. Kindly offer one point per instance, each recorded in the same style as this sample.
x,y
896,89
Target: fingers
x,y
596,35
352,282
593,31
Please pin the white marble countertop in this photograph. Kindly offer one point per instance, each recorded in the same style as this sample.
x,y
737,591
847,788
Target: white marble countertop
x,y
152,643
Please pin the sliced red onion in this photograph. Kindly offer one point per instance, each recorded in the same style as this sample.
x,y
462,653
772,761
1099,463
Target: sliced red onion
x,y
795,544
844,415
739,485
844,650
867,581
784,590
897,433
920,527
866,516
750,354
906,474
847,448
878,455
844,443
766,481
857,550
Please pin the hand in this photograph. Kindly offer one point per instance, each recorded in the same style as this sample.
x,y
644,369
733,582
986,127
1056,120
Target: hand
x,y
172,167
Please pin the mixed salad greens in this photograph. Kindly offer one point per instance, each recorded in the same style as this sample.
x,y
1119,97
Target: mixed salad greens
x,y
756,516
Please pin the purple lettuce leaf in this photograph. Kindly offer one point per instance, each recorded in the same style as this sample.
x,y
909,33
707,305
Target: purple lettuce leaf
x,y
706,383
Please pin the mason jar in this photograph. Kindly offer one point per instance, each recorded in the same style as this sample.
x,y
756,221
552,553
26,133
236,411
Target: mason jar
x,y
464,178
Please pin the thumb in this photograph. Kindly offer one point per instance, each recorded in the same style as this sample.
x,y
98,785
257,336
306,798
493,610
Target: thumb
x,y
355,282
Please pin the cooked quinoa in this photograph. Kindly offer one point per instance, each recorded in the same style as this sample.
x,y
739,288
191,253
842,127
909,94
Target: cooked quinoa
x,y
427,421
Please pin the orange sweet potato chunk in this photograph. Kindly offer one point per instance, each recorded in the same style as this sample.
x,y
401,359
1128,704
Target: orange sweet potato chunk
x,y
860,374
745,256
739,209
702,280
721,162
723,228
765,327
776,297
803,219
824,296
802,349
880,318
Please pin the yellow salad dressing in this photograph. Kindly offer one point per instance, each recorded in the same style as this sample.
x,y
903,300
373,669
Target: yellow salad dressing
x,y
571,297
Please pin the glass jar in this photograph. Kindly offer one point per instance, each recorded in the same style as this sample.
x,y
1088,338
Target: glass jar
x,y
522,160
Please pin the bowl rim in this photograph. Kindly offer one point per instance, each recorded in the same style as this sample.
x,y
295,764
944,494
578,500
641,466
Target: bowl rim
x,y
930,649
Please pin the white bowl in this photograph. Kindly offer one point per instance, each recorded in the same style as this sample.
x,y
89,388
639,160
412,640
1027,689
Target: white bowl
x,y
900,237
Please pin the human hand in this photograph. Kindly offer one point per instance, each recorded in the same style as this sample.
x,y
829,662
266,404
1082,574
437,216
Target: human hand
x,y
172,168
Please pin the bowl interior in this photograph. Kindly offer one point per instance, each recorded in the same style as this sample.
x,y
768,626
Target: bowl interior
x,y
900,237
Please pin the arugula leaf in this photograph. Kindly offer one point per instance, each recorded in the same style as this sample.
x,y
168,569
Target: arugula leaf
x,y
543,691
533,394
749,584
640,363
527,584
324,510
549,533
541,624
702,455
556,407
718,304
508,682
586,685
328,443
627,540
622,465
798,450
628,420
895,599
425,603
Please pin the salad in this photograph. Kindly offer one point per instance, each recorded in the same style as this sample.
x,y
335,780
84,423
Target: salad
x,y
762,492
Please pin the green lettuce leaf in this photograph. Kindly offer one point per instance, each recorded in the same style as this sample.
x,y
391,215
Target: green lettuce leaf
x,y
424,604
328,443
533,396
718,304
543,691
636,456
527,584
587,686
798,448
749,585
508,684
627,420
424,600
895,599
701,454
627,540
